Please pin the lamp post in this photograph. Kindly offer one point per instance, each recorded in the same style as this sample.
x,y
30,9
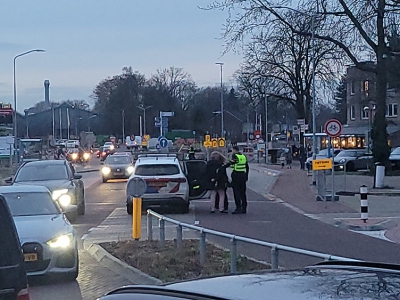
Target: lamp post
x,y
91,117
222,102
123,124
144,116
369,109
15,94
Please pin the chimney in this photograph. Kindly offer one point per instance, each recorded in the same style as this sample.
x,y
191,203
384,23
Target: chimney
x,y
47,93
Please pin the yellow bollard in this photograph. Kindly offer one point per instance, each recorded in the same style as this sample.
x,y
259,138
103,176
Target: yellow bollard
x,y
137,218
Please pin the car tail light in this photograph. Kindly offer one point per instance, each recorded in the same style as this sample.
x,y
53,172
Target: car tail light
x,y
23,294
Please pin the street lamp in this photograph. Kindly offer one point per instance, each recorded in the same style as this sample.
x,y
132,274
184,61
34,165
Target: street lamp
x,y
222,102
144,116
369,109
91,117
15,94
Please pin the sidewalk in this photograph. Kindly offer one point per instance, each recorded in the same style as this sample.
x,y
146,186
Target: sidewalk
x,y
294,189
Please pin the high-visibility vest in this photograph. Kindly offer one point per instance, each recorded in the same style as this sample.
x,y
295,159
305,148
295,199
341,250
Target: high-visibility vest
x,y
240,166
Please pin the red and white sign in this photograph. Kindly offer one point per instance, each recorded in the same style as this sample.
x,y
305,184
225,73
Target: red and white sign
x,y
333,128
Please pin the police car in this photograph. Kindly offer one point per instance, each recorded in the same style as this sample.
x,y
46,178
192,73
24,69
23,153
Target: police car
x,y
170,182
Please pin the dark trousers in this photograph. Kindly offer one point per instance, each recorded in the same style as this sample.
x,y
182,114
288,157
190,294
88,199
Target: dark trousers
x,y
239,190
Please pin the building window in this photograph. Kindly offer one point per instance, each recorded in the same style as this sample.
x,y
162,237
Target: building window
x,y
391,110
352,87
365,113
352,112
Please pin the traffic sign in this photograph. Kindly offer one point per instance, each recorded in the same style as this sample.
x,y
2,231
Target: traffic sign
x,y
221,142
214,142
207,138
163,142
207,144
132,137
322,164
146,137
333,128
158,146
301,121
136,187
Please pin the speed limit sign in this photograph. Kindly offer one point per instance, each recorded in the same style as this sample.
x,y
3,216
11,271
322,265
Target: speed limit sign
x,y
333,128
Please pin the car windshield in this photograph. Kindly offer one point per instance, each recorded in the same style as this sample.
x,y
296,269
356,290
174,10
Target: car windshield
x,y
347,154
118,160
34,172
396,151
154,170
31,204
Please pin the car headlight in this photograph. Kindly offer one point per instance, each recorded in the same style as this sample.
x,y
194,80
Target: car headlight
x,y
342,161
130,169
86,155
57,193
63,241
64,200
106,170
111,147
74,156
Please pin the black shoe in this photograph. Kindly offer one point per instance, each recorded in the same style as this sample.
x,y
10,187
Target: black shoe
x,y
223,211
236,212
244,211
212,211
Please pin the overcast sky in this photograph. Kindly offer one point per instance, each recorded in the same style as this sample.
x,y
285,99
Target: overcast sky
x,y
89,40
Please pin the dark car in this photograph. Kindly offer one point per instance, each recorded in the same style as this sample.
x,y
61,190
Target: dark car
x,y
13,279
327,280
117,166
394,158
59,176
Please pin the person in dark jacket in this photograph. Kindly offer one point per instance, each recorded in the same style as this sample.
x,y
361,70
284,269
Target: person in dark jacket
x,y
216,180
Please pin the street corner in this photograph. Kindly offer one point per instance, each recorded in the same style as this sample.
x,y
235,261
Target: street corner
x,y
372,224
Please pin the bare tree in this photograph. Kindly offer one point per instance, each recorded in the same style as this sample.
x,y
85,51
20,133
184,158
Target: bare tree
x,y
177,82
348,25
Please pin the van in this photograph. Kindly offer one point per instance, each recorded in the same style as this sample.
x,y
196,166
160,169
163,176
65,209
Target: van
x,y
13,279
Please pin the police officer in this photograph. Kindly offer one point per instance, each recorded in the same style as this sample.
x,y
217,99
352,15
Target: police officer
x,y
240,175
191,153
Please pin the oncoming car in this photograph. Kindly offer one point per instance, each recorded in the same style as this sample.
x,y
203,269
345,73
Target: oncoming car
x,y
47,238
117,166
170,182
60,178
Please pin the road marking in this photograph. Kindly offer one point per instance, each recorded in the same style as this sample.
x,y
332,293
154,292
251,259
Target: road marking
x,y
84,237
379,234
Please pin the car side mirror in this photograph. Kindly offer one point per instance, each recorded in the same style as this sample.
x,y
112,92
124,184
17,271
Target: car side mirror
x,y
77,176
8,180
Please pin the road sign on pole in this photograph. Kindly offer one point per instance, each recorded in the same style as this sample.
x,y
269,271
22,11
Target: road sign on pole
x,y
163,142
333,128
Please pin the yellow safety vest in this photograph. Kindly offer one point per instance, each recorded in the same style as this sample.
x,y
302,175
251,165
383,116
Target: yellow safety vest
x,y
240,166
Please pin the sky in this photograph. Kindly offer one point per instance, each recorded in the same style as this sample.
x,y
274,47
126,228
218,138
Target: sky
x,y
89,40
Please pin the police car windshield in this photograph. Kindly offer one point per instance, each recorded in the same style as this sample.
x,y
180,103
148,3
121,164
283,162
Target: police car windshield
x,y
156,170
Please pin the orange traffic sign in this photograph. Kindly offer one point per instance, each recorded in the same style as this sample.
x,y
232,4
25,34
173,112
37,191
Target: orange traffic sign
x,y
214,143
207,138
221,142
322,164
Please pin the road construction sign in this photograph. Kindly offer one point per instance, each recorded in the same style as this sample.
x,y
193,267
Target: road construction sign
x,y
214,142
221,142
322,164
207,138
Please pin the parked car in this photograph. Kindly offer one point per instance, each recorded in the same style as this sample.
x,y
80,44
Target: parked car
x,y
48,240
322,154
353,160
394,158
13,280
327,280
170,182
59,177
117,166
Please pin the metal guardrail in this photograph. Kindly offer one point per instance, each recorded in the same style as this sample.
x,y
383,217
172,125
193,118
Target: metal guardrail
x,y
275,248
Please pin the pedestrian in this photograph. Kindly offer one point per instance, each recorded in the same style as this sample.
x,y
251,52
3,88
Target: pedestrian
x,y
216,180
240,175
289,158
302,157
191,153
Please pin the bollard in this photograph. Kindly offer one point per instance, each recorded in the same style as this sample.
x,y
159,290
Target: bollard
x,y
179,237
274,258
162,232
364,203
149,227
137,218
202,247
233,256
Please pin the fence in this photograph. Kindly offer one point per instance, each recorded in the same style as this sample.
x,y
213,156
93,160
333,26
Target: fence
x,y
275,248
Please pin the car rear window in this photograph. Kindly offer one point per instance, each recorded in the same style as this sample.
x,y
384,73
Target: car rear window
x,y
157,170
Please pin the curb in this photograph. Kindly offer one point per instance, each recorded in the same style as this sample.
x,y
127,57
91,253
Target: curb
x,y
384,225
134,275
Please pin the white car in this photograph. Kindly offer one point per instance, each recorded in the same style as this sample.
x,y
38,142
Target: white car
x,y
48,240
169,181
